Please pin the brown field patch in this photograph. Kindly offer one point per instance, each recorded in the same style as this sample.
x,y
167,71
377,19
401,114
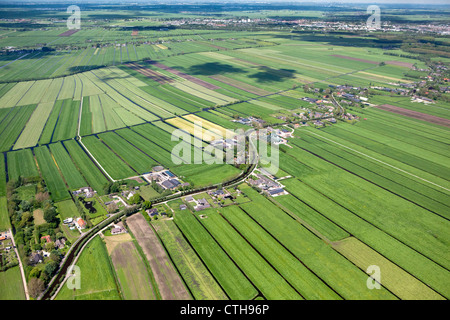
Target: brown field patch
x,y
170,285
241,85
415,114
134,32
354,59
154,75
68,33
137,179
38,216
185,76
113,241
400,63
247,62
134,278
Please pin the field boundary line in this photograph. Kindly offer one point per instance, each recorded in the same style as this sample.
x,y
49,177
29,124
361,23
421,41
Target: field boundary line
x,y
385,163
85,148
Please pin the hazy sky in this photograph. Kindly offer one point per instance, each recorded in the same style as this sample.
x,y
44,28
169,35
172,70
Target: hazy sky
x,y
420,2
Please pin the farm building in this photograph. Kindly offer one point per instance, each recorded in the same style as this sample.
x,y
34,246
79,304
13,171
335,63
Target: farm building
x,y
202,204
36,258
152,212
47,238
276,192
118,229
170,184
81,223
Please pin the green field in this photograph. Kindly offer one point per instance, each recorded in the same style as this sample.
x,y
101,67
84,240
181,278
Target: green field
x,y
221,267
97,275
52,177
99,108
12,285
88,169
199,280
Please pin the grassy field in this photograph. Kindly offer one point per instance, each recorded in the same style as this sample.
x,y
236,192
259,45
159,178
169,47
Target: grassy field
x,y
71,175
269,282
133,276
50,172
97,275
227,274
313,252
197,277
291,269
169,282
4,217
86,166
12,285
374,191
21,163
114,165
396,280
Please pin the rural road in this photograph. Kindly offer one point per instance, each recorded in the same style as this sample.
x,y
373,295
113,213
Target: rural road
x,y
25,287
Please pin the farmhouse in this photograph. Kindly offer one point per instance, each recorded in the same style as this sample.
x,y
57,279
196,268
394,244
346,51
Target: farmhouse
x,y
60,243
118,230
68,221
36,258
164,178
88,192
47,238
152,212
202,204
81,224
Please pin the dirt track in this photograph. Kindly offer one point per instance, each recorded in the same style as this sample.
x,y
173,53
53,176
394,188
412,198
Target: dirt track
x,y
169,282
415,114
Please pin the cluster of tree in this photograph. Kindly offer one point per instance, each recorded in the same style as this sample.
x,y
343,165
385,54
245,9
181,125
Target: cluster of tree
x,y
135,199
39,277
27,235
115,187
163,192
